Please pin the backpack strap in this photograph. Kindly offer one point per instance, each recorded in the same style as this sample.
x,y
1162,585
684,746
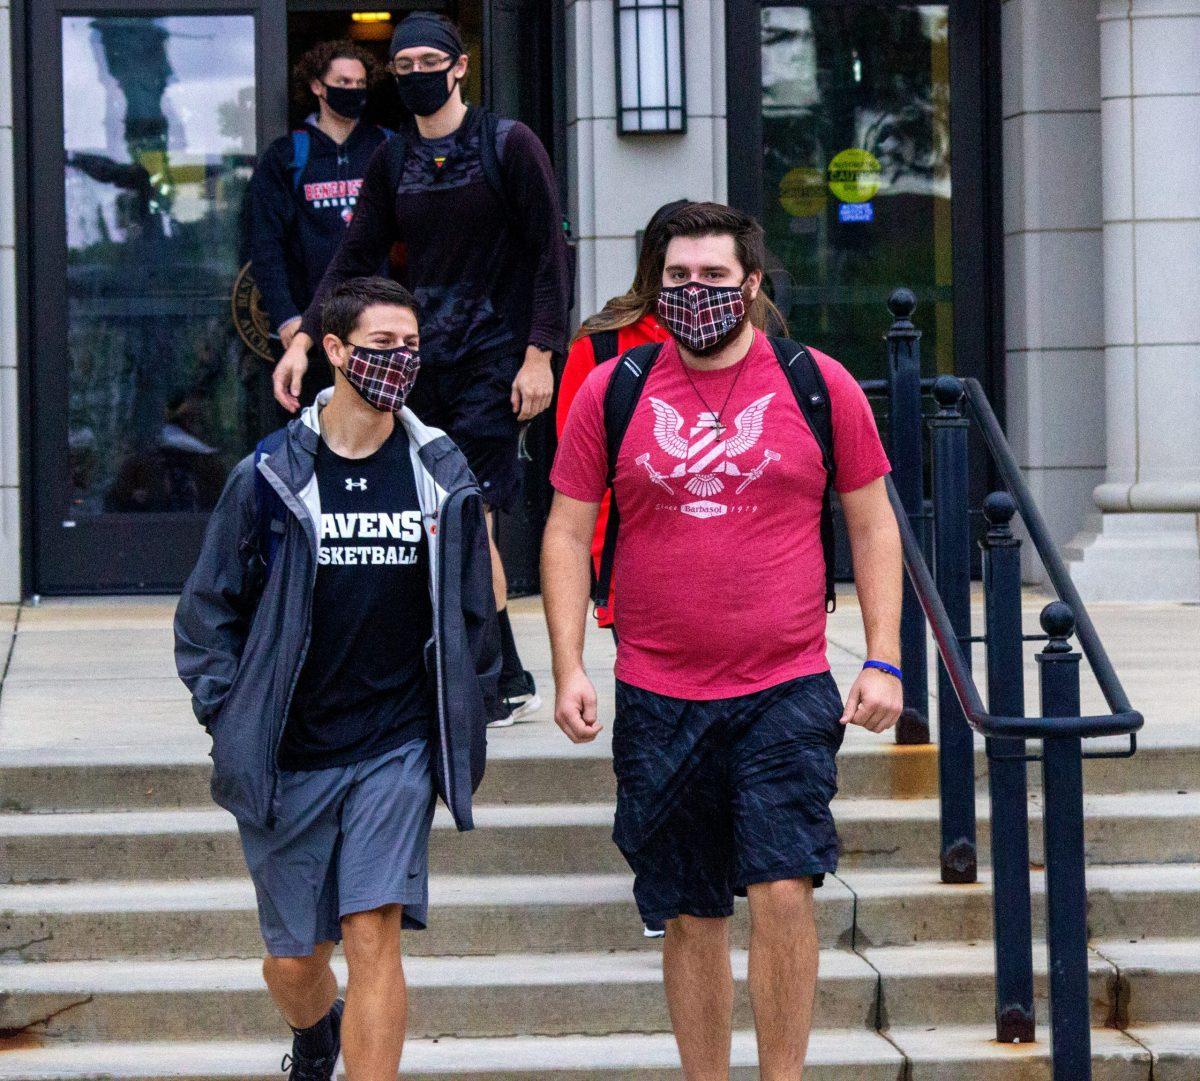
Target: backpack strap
x,y
397,153
604,345
620,400
812,395
301,148
270,512
490,151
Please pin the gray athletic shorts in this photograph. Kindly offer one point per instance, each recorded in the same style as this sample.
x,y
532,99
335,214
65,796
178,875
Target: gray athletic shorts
x,y
348,839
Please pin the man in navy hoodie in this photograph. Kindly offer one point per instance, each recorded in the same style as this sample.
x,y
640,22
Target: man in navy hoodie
x,y
304,190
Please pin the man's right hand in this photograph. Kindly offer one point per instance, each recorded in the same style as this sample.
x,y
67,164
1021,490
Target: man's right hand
x,y
288,331
575,707
289,372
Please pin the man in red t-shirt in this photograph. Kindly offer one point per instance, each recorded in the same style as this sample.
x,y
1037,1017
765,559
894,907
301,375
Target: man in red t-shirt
x,y
727,718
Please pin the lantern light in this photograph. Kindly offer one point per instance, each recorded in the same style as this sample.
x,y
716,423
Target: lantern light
x,y
650,73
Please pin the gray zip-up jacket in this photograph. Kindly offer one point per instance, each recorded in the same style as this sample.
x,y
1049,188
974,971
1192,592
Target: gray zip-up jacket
x,y
241,633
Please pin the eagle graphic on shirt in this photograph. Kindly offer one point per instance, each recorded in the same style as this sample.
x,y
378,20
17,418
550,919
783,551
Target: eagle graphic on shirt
x,y
705,455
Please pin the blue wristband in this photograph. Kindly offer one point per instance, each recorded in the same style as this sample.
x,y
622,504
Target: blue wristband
x,y
883,666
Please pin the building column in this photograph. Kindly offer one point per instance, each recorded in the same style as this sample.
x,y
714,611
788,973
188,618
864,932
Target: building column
x,y
10,491
617,182
1145,542
1054,348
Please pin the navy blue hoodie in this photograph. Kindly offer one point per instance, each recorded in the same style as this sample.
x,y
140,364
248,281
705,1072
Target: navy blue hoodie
x,y
295,224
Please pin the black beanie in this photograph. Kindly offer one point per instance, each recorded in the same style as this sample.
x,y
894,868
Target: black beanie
x,y
429,29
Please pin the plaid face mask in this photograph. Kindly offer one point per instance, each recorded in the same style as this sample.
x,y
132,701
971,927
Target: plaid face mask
x,y
382,376
701,316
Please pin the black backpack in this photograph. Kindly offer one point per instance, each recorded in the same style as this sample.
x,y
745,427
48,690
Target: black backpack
x,y
812,395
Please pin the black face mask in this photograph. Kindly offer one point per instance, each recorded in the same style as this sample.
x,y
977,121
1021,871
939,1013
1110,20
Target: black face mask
x,y
423,92
346,101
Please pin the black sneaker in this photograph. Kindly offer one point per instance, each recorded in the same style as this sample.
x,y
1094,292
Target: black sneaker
x,y
520,697
299,1067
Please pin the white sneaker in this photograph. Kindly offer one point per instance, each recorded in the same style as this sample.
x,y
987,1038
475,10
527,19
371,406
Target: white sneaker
x,y
521,698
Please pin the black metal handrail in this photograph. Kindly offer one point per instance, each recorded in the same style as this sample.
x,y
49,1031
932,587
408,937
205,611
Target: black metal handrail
x,y
1122,721
935,528
1047,550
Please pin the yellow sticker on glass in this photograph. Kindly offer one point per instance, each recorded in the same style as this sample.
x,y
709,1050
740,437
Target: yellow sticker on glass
x,y
854,175
802,192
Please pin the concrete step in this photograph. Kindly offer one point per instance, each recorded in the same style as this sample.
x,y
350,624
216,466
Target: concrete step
x,y
1175,1048
502,995
952,1053
473,915
871,768
834,1055
1130,901
470,916
146,786
937,1054
1159,980
512,994
568,838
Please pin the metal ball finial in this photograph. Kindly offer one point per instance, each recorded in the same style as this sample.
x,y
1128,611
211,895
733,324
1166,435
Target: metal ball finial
x,y
902,303
948,391
1057,620
999,508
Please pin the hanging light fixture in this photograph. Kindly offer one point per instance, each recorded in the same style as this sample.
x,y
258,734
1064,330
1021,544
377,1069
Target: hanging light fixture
x,y
650,76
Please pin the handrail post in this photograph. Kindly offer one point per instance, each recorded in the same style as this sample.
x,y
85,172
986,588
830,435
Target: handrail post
x,y
952,574
1066,886
1007,784
904,427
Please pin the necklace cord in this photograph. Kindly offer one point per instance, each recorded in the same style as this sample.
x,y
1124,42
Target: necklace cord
x,y
703,401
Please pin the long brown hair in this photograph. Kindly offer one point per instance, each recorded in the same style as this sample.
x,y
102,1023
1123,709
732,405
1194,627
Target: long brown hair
x,y
686,218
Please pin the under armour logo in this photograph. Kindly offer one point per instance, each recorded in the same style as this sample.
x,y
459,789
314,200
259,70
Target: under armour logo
x,y
352,484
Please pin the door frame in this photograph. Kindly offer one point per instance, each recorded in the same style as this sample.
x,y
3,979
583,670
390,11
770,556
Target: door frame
x,y
976,207
109,553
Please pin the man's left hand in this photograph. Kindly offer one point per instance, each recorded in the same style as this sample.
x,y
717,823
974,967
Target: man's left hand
x,y
875,701
533,388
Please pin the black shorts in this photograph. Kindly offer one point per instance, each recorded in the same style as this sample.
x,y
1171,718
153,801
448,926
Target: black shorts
x,y
713,797
472,403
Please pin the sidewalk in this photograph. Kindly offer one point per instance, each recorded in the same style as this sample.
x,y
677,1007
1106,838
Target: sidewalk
x,y
92,680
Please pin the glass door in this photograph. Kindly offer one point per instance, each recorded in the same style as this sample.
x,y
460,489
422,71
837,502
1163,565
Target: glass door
x,y
862,134
856,171
865,136
141,154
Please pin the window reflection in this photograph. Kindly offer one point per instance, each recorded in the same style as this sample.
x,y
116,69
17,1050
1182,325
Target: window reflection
x,y
856,170
158,148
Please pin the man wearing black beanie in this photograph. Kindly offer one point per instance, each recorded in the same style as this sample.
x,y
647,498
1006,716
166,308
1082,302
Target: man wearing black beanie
x,y
474,201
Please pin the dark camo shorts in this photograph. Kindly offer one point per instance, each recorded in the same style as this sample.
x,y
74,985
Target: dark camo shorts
x,y
716,796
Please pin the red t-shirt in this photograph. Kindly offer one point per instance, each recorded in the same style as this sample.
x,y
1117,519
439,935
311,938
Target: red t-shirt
x,y
719,568
581,362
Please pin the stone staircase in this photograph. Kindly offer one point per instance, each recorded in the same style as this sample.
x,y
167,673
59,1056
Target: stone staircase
x,y
129,945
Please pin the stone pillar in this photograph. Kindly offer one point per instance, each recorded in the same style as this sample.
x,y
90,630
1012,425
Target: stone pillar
x,y
1145,543
1054,348
10,459
617,182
